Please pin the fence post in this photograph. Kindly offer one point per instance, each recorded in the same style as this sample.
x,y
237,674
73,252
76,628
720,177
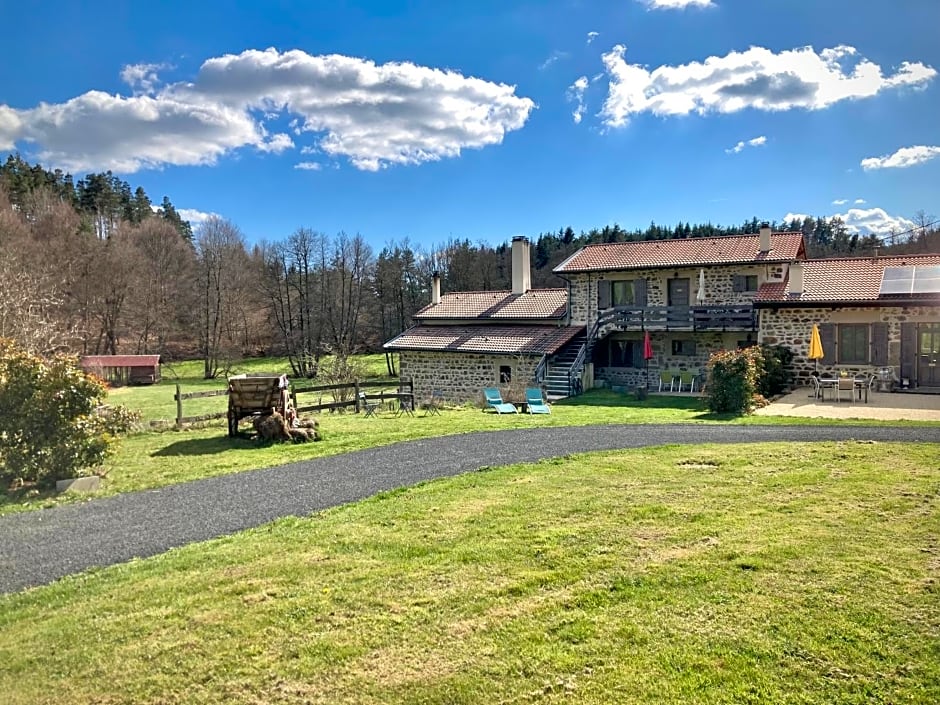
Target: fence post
x,y
179,408
356,393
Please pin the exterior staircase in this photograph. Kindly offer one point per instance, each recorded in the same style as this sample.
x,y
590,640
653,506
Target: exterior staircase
x,y
557,384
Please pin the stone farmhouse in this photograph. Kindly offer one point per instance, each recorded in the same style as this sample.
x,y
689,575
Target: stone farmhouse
x,y
692,297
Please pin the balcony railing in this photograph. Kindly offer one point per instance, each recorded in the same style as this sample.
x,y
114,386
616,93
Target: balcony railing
x,y
696,318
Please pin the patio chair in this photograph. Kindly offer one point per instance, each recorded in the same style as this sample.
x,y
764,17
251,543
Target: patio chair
x,y
667,377
434,404
369,406
817,388
846,384
687,378
495,400
535,403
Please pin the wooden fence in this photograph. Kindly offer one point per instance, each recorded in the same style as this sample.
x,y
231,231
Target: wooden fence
x,y
404,391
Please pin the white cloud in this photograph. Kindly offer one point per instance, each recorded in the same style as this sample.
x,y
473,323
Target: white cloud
x,y
677,4
756,142
308,166
903,158
866,221
591,36
840,201
195,217
143,78
555,56
757,78
860,201
575,94
374,115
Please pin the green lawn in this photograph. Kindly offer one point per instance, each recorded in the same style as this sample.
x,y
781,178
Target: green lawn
x,y
773,573
156,459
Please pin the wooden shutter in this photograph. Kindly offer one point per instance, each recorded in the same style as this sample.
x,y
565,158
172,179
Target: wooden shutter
x,y
739,283
639,292
827,336
879,344
603,294
908,350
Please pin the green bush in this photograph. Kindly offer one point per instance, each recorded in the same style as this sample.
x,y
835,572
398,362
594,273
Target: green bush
x,y
733,380
50,428
777,370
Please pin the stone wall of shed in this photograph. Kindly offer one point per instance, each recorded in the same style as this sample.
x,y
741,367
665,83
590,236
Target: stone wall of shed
x,y
792,327
462,376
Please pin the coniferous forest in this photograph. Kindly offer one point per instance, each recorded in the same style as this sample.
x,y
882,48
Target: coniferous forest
x,y
95,265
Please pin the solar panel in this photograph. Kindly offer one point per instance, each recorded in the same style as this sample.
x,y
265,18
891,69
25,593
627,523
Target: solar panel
x,y
926,280
896,281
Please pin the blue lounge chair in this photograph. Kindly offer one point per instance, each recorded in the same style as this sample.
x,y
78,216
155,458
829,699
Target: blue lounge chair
x,y
535,403
495,400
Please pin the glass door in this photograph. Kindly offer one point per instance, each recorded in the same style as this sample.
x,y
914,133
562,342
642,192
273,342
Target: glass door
x,y
928,355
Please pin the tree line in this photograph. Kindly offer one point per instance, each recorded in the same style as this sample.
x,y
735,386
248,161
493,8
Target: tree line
x,y
91,267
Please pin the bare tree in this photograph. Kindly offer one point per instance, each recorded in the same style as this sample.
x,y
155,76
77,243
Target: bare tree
x,y
345,286
222,266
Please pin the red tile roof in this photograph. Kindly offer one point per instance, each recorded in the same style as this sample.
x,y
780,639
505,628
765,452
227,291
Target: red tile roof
x,y
490,305
509,340
842,280
696,251
98,361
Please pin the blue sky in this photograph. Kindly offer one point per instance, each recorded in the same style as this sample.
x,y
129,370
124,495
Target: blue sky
x,y
486,119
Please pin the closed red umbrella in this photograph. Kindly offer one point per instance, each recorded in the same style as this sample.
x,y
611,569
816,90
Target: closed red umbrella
x,y
647,354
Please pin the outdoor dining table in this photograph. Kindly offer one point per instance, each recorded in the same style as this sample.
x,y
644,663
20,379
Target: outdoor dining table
x,y
859,384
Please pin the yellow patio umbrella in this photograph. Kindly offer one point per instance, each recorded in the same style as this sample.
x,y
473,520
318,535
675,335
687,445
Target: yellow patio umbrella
x,y
815,346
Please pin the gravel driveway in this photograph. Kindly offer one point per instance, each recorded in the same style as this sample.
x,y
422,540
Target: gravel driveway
x,y
41,546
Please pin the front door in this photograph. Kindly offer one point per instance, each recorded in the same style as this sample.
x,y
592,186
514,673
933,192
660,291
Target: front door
x,y
928,355
678,302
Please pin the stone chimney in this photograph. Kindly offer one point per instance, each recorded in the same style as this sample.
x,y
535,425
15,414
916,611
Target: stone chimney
x,y
436,288
765,237
796,279
521,274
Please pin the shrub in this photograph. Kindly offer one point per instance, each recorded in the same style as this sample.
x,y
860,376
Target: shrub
x,y
733,380
777,370
50,428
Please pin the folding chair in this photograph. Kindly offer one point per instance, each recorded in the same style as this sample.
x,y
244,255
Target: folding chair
x,y
367,405
434,404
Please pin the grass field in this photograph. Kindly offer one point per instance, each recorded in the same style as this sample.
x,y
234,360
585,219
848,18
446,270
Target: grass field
x,y
775,573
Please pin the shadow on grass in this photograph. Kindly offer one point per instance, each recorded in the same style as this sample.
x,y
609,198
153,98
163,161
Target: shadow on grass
x,y
205,446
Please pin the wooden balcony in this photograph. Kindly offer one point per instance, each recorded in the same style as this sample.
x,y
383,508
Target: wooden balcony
x,y
689,318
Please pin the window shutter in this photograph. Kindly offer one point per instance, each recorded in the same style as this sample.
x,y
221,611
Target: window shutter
x,y
603,294
908,350
739,283
639,292
827,336
879,344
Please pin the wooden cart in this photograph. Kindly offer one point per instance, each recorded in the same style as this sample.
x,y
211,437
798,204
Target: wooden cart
x,y
258,395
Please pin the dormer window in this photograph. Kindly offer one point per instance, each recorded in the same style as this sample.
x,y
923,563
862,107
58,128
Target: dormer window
x,y
745,283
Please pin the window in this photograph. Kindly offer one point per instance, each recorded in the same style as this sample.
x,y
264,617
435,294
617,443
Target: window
x,y
683,347
853,343
505,374
621,293
744,282
618,353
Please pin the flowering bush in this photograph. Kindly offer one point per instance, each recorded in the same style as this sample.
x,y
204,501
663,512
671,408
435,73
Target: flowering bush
x,y
733,377
50,428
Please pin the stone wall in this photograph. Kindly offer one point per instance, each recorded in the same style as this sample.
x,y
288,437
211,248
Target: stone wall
x,y
719,286
663,359
462,376
792,327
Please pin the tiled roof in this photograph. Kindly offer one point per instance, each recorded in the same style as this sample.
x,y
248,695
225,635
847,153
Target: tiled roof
x,y
841,280
485,305
695,251
119,361
509,340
